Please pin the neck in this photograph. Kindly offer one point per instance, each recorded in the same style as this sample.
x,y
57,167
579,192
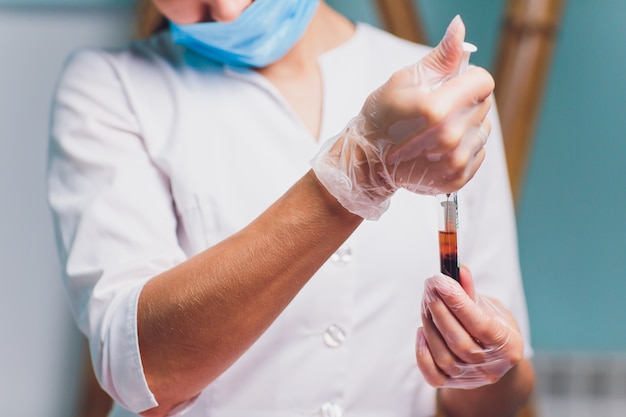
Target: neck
x,y
327,30
297,75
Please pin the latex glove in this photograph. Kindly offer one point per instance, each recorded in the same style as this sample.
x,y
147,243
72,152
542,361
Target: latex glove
x,y
423,130
467,340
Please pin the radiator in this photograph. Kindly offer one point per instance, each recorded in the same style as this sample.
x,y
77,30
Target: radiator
x,y
580,384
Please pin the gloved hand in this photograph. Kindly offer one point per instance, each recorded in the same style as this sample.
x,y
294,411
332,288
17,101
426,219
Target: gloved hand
x,y
423,130
467,340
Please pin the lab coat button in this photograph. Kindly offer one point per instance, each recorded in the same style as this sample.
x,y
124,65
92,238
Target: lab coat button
x,y
330,410
334,336
342,256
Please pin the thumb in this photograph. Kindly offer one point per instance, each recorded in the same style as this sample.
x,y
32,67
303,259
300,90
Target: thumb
x,y
467,282
445,59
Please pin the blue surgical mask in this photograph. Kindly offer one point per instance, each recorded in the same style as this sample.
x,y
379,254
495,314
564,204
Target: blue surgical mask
x,y
262,34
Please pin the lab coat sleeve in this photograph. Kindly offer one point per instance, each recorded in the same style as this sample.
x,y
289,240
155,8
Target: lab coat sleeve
x,y
114,217
488,242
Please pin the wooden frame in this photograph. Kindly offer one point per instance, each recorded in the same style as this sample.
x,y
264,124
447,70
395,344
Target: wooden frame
x,y
523,62
401,18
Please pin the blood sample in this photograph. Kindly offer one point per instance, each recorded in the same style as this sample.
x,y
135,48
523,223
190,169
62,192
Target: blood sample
x,y
448,252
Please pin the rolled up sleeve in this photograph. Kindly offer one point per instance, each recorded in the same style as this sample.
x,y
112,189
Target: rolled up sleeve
x,y
114,218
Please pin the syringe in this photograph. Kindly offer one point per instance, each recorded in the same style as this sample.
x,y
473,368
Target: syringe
x,y
448,211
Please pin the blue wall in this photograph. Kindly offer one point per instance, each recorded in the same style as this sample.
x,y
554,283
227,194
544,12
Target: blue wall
x,y
571,230
571,219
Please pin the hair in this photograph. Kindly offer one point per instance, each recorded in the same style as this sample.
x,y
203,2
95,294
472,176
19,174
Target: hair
x,y
149,19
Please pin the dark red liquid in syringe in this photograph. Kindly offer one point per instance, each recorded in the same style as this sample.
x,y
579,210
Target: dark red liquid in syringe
x,y
448,255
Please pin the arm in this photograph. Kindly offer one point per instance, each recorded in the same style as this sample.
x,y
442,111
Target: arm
x,y
223,299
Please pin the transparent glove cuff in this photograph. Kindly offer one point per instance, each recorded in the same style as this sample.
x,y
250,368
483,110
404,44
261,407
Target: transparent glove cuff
x,y
351,169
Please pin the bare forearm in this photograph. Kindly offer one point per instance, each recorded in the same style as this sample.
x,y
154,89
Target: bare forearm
x,y
502,399
195,320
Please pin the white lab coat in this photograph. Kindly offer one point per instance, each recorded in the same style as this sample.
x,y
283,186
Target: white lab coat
x,y
157,154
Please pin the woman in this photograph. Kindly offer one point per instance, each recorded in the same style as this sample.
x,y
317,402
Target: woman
x,y
215,273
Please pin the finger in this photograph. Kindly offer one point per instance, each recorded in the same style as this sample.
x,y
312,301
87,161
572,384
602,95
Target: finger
x,y
483,327
484,130
461,164
443,114
425,362
481,134
456,340
471,169
476,147
439,123
458,131
442,356
467,281
446,57
455,137
474,86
